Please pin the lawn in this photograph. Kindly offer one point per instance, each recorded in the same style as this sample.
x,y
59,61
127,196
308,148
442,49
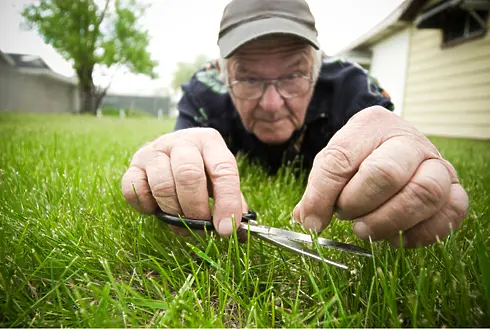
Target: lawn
x,y
73,254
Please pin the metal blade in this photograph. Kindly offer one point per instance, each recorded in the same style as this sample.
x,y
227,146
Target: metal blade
x,y
297,248
305,238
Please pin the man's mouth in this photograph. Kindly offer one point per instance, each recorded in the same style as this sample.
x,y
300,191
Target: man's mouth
x,y
270,120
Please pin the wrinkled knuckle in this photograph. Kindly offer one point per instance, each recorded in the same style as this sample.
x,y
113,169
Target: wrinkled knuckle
x,y
224,169
381,175
427,191
377,111
336,163
189,175
373,113
177,143
208,132
164,190
317,195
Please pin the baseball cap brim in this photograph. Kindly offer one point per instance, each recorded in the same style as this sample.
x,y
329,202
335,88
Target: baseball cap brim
x,y
244,33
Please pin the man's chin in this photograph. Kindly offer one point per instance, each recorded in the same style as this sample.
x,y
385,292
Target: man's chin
x,y
273,138
275,133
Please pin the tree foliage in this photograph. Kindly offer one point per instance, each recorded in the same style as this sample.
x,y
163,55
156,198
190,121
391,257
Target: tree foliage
x,y
90,35
185,70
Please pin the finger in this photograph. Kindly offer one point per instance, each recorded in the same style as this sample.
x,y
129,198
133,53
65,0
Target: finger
x,y
380,176
223,172
210,191
331,170
420,199
334,166
190,180
136,191
447,220
337,163
162,185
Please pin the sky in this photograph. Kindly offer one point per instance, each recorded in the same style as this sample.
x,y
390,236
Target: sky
x,y
180,30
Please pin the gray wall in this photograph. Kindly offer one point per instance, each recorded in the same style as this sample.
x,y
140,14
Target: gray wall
x,y
25,92
34,93
149,104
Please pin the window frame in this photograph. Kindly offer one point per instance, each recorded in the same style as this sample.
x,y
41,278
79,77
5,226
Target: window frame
x,y
466,36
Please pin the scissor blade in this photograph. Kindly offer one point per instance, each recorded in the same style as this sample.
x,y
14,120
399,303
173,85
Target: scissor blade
x,y
305,238
297,248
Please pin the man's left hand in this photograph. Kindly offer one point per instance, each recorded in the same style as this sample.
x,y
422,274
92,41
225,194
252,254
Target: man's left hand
x,y
381,172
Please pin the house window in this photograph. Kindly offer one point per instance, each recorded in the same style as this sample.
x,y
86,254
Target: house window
x,y
461,26
458,20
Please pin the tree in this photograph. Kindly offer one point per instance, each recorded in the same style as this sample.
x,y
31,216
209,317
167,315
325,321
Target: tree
x,y
91,36
185,71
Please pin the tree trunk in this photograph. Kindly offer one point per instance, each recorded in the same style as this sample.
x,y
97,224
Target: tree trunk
x,y
87,99
87,89
99,95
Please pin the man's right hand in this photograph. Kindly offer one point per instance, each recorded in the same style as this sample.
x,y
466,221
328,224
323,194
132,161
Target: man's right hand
x,y
179,171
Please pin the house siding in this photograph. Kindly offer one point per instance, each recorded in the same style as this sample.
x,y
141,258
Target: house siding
x,y
389,64
448,90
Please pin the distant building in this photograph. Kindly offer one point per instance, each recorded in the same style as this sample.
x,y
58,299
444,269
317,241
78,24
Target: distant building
x,y
28,84
148,104
433,58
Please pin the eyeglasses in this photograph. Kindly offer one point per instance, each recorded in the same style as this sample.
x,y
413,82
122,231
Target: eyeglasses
x,y
294,85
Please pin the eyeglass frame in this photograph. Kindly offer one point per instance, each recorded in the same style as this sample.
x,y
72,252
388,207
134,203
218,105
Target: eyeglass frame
x,y
267,82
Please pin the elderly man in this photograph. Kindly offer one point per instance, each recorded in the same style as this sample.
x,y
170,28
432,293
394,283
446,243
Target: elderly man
x,y
275,97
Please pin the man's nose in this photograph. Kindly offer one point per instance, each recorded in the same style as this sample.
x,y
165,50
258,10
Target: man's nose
x,y
271,99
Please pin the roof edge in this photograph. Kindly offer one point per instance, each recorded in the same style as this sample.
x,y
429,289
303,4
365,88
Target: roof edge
x,y
403,14
50,74
47,71
7,58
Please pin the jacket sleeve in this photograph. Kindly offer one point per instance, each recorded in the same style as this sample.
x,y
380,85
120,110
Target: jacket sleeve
x,y
189,115
204,100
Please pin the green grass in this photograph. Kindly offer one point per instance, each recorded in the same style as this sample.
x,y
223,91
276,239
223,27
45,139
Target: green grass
x,y
73,254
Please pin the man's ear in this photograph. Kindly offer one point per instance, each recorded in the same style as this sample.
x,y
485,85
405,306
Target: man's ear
x,y
216,63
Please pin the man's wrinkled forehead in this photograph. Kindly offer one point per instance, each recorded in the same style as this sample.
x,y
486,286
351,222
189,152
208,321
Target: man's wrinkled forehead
x,y
299,62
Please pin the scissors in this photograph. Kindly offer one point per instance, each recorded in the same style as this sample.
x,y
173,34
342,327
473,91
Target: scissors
x,y
284,239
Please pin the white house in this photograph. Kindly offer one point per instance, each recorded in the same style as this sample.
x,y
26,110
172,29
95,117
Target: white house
x,y
433,57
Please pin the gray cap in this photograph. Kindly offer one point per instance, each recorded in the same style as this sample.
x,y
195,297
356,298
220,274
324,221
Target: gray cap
x,y
245,20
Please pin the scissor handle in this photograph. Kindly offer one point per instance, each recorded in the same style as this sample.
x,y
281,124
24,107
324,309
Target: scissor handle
x,y
196,224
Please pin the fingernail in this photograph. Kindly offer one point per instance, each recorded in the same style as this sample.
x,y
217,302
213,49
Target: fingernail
x,y
361,230
225,226
312,223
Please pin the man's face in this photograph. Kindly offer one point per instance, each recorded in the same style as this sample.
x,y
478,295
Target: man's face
x,y
272,117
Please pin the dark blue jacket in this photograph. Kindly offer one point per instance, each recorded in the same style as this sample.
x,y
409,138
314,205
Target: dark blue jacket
x,y
343,89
